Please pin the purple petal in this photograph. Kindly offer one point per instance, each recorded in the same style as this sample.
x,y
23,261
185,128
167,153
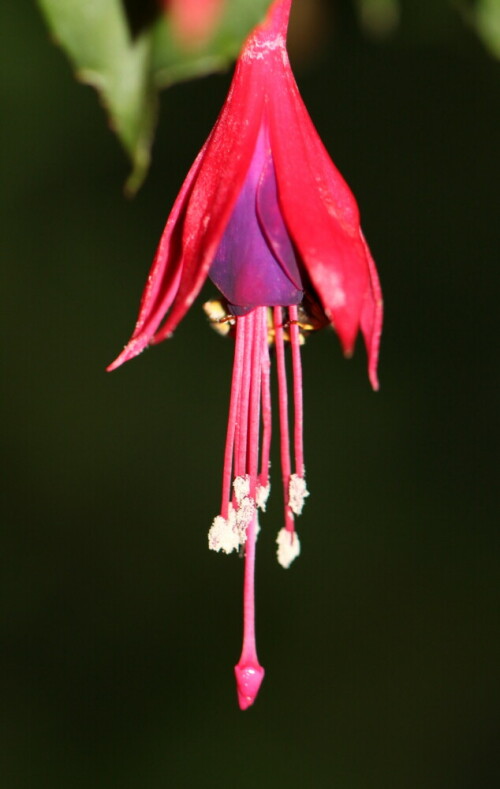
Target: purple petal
x,y
255,264
273,225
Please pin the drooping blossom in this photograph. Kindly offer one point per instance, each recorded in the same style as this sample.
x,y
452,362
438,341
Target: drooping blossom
x,y
194,21
267,217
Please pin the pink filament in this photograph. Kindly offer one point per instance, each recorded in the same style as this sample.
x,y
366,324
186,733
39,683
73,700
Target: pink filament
x,y
254,404
238,365
266,408
283,412
297,392
241,433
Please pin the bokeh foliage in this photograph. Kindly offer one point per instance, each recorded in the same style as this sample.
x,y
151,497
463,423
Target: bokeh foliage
x,y
128,52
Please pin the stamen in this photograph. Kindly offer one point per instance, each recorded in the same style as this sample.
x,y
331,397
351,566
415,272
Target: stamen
x,y
245,324
241,487
297,391
283,412
244,516
262,495
255,396
288,547
297,492
264,487
223,534
233,411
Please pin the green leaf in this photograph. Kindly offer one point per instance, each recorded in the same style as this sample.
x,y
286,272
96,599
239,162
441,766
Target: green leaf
x,y
96,36
128,68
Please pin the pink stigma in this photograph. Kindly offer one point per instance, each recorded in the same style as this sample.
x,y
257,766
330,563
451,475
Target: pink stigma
x,y
248,682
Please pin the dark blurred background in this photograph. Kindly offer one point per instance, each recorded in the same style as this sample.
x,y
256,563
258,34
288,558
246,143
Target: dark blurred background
x,y
119,628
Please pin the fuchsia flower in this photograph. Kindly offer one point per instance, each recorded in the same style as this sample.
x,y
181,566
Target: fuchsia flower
x,y
266,215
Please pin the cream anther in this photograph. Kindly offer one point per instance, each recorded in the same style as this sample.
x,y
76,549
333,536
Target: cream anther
x,y
288,547
297,492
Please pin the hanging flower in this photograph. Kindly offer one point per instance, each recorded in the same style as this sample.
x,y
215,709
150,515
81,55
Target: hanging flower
x,y
267,217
